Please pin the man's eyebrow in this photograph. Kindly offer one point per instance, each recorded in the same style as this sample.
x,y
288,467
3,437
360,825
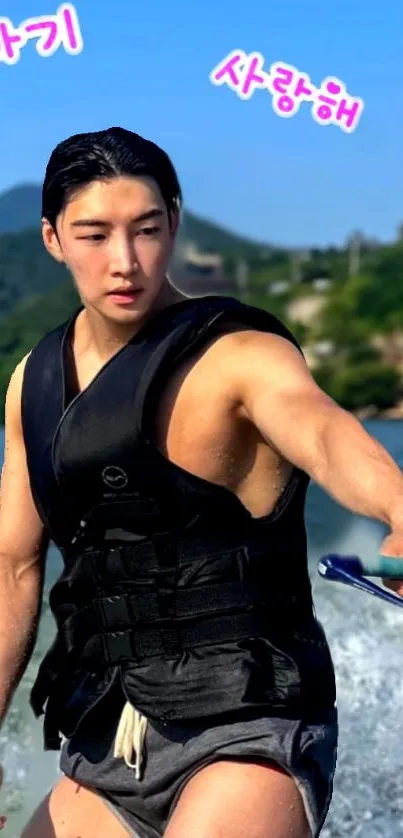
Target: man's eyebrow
x,y
99,222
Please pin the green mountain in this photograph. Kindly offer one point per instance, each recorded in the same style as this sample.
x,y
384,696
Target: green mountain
x,y
211,237
20,208
26,269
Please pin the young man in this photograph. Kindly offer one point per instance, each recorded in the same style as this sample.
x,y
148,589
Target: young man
x,y
165,445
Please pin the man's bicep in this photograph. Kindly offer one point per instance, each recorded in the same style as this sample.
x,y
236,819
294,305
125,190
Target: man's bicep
x,y
22,536
282,399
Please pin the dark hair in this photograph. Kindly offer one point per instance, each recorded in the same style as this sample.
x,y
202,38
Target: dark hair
x,y
100,155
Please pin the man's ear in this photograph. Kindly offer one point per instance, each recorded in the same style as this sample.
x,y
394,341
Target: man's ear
x,y
51,240
174,222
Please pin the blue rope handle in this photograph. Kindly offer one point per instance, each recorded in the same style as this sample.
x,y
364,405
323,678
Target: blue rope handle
x,y
383,567
351,570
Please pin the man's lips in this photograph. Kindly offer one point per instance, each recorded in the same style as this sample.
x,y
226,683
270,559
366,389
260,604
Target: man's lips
x,y
124,292
125,295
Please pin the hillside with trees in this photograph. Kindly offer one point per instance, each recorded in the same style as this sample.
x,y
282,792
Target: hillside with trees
x,y
345,305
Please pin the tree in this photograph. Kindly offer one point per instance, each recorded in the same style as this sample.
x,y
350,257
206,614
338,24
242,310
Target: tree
x,y
366,383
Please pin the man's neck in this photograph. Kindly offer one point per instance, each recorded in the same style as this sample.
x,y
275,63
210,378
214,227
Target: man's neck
x,y
105,338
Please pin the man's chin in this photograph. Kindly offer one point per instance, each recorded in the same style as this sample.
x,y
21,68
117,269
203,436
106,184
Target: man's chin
x,y
128,309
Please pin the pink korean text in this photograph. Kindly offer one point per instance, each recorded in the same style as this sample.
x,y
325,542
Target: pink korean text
x,y
289,87
242,73
338,108
50,32
331,104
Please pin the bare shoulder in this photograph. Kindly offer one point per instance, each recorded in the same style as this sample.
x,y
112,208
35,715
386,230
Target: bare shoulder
x,y
14,389
13,422
253,343
269,382
21,530
249,357
273,387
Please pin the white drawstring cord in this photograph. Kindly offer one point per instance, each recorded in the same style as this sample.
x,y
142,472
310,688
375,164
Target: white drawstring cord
x,y
130,737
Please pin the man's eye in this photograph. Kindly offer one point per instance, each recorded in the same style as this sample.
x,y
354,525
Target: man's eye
x,y
149,231
95,237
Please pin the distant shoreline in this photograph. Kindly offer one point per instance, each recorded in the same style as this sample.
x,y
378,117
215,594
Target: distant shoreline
x,y
391,414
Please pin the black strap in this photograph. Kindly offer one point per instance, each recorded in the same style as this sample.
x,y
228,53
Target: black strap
x,y
131,647
166,553
121,611
46,679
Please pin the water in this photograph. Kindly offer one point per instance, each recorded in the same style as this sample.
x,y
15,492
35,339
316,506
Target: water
x,y
366,638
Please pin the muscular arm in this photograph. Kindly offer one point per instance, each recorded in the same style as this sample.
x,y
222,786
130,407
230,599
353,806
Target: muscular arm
x,y
275,389
23,546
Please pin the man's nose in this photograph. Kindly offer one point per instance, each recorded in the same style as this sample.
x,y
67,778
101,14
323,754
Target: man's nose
x,y
124,260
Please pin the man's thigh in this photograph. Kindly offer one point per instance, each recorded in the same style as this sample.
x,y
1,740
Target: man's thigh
x,y
72,811
230,799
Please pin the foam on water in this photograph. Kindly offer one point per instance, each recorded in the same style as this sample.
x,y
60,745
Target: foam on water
x,y
366,639
367,798
365,636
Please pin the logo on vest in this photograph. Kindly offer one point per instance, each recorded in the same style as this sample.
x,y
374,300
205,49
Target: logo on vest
x,y
115,477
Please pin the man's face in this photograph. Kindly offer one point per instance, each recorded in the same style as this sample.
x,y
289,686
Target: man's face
x,y
115,237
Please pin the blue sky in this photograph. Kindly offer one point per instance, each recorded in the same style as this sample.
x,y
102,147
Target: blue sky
x,y
146,66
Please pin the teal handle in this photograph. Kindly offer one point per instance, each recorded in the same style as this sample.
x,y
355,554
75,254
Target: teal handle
x,y
382,566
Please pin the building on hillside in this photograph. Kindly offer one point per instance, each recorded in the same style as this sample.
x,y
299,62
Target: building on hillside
x,y
278,287
317,353
196,273
390,347
242,275
298,258
305,309
322,283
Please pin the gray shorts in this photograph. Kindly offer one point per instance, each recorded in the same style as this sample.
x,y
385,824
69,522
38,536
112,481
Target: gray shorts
x,y
173,754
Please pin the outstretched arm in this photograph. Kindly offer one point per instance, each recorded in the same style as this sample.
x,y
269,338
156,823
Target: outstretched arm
x,y
23,545
276,390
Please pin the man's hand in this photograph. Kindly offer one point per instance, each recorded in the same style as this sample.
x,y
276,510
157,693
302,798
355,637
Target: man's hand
x,y
393,546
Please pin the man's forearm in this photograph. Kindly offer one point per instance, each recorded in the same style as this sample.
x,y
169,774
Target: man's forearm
x,y
19,611
358,472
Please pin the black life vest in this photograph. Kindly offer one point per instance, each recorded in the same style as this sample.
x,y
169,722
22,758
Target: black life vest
x,y
169,583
